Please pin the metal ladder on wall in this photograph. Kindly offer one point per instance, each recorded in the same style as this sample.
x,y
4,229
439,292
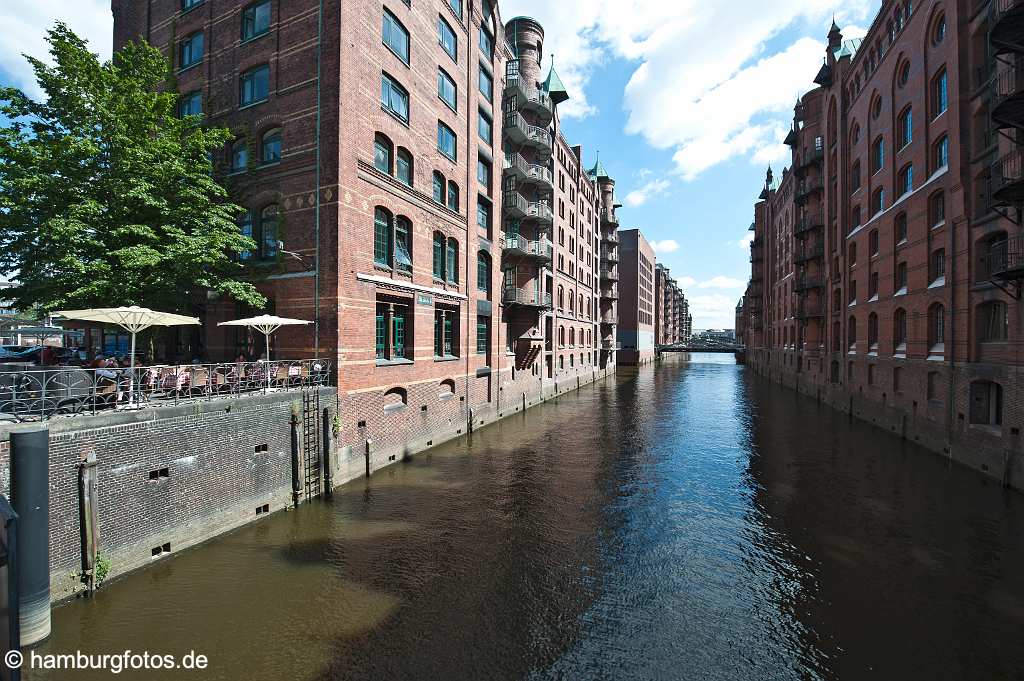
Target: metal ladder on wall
x,y
311,443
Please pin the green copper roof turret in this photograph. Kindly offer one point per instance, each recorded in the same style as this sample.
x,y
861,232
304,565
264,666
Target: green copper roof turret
x,y
554,87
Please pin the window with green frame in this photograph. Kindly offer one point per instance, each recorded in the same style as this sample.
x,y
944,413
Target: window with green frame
x,y
446,332
446,141
439,185
392,330
483,272
382,237
452,262
439,243
483,334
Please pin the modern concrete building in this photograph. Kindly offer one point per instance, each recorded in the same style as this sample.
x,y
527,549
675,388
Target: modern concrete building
x,y
637,301
887,262
405,176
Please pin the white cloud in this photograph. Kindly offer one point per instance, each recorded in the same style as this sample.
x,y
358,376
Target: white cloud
x,y
686,282
639,197
713,311
23,26
745,242
722,282
665,246
704,84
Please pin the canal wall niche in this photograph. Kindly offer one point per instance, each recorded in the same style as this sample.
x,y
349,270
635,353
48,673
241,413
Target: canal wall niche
x,y
901,406
167,478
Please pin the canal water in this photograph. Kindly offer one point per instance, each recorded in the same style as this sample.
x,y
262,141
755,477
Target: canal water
x,y
687,521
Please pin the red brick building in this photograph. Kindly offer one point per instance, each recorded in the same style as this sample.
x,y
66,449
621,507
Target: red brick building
x,y
635,281
404,175
887,262
671,310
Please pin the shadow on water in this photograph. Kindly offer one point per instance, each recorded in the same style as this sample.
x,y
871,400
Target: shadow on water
x,y
688,521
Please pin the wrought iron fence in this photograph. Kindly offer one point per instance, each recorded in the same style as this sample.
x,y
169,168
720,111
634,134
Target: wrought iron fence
x,y
41,393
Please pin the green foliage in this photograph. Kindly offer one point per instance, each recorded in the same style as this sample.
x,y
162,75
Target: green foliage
x,y
102,568
107,197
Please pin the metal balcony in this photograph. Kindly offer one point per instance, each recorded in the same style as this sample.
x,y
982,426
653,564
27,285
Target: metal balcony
x,y
806,224
610,237
807,283
518,131
609,255
810,158
807,311
517,245
515,205
806,187
609,274
610,344
1007,101
539,211
1006,259
1008,179
610,292
525,298
608,216
756,254
527,173
1006,33
808,252
528,98
609,317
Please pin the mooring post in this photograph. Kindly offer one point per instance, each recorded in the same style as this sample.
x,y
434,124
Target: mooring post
x,y
369,446
296,475
325,457
30,497
88,516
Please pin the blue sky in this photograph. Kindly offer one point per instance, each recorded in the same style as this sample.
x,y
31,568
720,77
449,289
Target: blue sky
x,y
687,101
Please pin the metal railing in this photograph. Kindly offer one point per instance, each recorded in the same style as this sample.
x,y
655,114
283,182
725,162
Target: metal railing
x,y
41,393
1006,258
608,215
609,273
520,296
519,130
540,249
610,292
610,237
1008,177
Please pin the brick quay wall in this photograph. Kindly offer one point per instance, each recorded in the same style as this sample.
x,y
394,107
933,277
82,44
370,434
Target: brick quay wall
x,y
906,412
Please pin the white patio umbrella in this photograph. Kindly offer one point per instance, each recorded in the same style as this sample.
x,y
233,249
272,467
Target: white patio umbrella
x,y
132,319
266,324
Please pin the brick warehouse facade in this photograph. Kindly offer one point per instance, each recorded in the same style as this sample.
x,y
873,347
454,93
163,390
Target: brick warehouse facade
x,y
637,305
672,320
886,262
405,177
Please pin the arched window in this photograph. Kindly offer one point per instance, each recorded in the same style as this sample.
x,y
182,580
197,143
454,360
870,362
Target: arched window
x,y
940,93
937,329
383,246
383,152
268,232
270,148
939,30
580,306
899,331
403,244
483,272
453,196
561,297
439,246
452,261
873,332
851,334
572,337
404,167
986,403
439,187
572,303
239,156
937,209
395,36
993,323
561,336
447,388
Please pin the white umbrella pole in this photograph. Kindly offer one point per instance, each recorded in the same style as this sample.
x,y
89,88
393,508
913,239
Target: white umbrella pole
x,y
131,369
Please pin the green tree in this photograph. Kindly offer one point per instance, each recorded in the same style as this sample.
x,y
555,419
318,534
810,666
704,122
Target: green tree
x,y
107,197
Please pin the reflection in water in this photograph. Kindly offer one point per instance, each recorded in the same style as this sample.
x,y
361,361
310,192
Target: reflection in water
x,y
688,521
